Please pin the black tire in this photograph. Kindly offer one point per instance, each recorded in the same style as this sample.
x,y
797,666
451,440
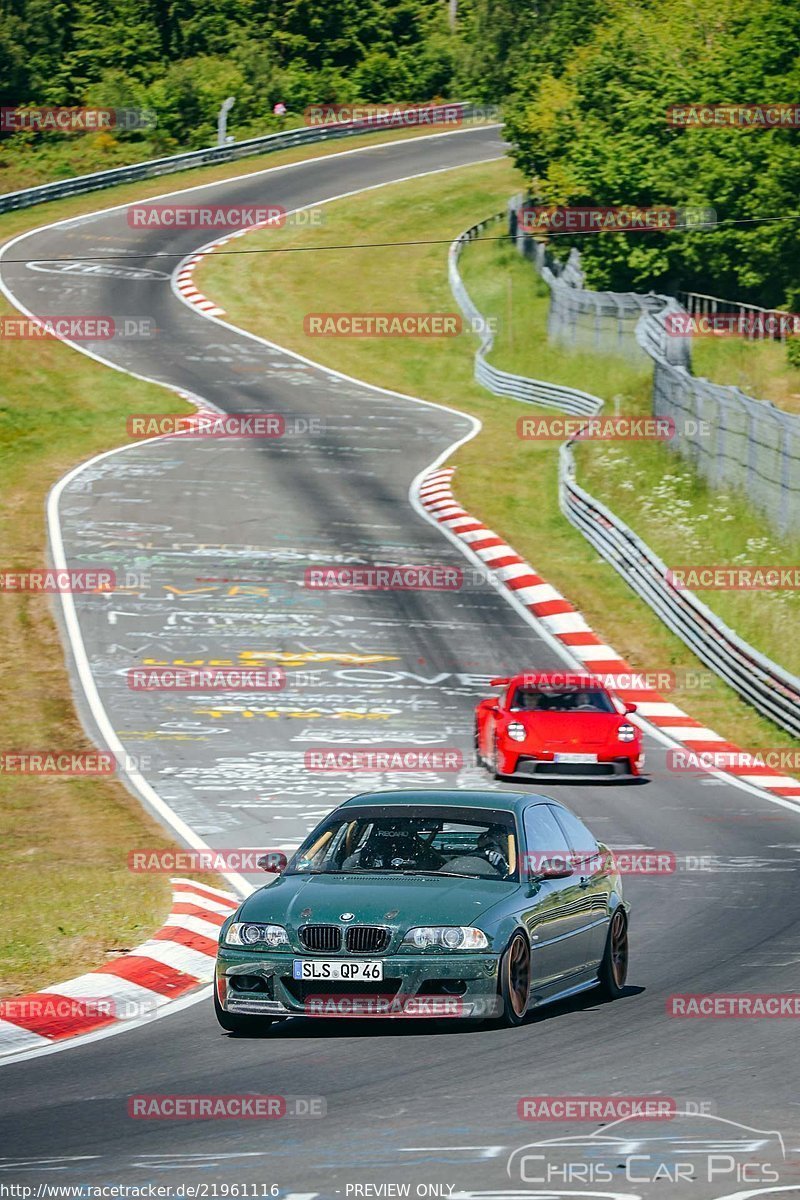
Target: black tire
x,y
238,1023
614,965
479,761
514,980
493,767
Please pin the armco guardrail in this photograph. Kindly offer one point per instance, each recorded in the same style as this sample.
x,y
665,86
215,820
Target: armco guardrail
x,y
769,688
504,383
435,115
762,683
733,439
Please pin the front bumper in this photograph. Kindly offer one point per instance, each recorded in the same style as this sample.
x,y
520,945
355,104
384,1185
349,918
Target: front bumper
x,y
542,764
422,985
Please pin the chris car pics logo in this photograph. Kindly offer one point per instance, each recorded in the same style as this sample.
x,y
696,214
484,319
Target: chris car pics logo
x,y
688,1147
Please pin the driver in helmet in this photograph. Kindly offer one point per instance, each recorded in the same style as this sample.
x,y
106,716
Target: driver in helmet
x,y
493,846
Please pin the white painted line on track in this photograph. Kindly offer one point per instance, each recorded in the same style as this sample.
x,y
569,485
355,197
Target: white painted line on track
x,y
74,634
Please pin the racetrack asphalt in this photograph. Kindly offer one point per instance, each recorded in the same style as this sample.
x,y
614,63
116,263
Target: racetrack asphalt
x,y
217,535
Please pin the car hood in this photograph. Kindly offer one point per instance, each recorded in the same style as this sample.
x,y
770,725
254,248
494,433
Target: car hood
x,y
396,900
570,729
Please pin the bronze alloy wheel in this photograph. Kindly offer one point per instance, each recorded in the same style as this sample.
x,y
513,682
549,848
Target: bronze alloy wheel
x,y
614,966
515,980
619,949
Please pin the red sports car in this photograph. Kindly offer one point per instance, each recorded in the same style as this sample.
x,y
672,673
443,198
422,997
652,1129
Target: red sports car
x,y
564,725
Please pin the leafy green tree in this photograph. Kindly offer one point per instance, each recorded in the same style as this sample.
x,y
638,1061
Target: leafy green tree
x,y
592,130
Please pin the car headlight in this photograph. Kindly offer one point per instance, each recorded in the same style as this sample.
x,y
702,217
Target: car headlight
x,y
243,933
516,731
626,733
449,937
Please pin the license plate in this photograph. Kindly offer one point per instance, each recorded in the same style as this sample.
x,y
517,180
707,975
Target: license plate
x,y
305,968
575,758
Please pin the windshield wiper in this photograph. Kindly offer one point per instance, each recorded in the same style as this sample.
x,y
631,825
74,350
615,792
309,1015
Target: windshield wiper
x,y
452,874
354,871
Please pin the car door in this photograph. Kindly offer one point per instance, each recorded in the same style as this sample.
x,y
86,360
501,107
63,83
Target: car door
x,y
555,913
592,878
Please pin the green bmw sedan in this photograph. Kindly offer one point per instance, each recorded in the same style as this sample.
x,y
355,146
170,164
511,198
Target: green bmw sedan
x,y
475,904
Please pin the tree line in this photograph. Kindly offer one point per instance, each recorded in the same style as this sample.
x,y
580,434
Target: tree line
x,y
585,87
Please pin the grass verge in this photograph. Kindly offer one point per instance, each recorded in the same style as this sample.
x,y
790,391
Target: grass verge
x,y
758,368
510,484
69,901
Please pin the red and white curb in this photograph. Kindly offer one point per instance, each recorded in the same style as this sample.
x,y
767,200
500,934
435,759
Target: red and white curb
x,y
184,281
178,959
564,623
184,277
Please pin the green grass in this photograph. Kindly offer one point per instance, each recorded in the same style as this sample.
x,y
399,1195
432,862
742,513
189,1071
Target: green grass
x,y
758,368
653,489
505,285
69,901
510,484
28,162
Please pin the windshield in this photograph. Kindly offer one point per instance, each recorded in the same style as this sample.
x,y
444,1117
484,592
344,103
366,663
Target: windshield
x,y
411,842
562,700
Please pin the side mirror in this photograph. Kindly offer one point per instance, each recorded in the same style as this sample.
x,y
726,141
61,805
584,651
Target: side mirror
x,y
551,868
274,862
630,707
498,682
554,869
